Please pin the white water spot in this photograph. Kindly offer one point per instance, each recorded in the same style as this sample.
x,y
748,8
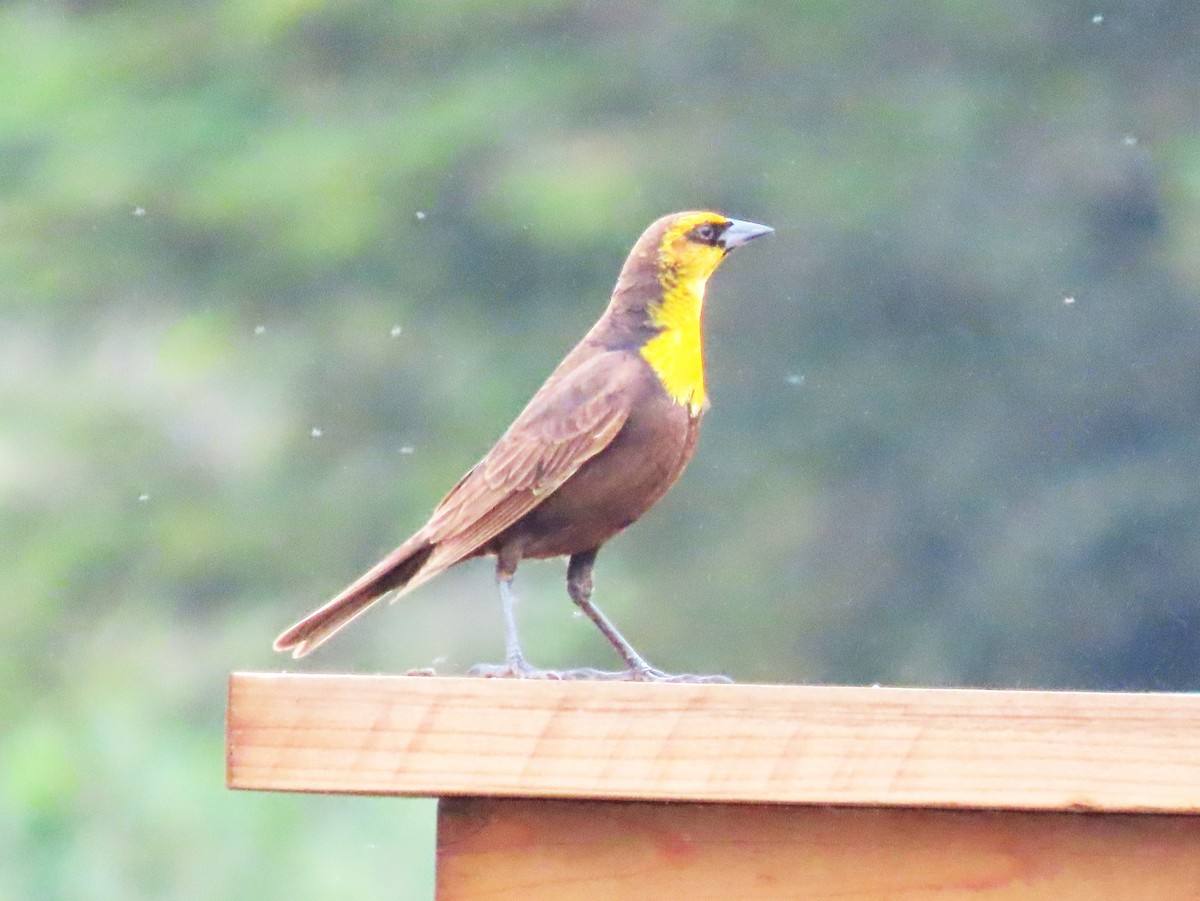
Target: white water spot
x,y
408,449
1098,19
1130,140
396,330
420,215
1068,300
796,379
143,497
316,432
260,329
139,211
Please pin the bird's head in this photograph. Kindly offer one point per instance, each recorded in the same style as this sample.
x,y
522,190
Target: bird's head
x,y
659,297
690,246
680,252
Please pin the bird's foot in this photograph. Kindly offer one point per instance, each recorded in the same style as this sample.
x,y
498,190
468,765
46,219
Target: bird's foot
x,y
517,668
687,678
641,671
639,674
650,674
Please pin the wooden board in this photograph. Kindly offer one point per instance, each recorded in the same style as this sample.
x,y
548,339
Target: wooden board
x,y
715,743
539,850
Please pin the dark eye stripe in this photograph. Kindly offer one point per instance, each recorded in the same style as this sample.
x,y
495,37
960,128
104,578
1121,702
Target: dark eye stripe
x,y
708,233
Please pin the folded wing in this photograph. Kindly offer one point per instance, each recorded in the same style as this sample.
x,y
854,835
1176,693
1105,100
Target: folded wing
x,y
572,419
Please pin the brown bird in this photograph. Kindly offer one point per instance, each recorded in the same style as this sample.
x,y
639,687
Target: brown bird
x,y
600,442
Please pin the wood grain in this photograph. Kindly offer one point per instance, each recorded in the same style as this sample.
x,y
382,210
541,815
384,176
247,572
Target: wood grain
x,y
539,850
715,743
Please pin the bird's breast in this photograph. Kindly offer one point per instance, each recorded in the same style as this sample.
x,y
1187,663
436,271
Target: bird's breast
x,y
677,357
676,352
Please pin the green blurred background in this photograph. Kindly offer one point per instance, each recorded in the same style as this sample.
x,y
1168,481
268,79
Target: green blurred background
x,y
274,274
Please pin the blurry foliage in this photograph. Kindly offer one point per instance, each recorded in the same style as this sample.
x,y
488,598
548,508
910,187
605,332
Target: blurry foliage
x,y
276,273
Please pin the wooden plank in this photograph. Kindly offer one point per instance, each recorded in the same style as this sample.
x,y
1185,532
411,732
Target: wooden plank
x,y
723,743
540,850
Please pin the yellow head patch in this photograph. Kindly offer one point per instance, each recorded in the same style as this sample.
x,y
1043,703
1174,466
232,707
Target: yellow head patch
x,y
687,255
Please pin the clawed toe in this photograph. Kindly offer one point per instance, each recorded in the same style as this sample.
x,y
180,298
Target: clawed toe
x,y
521,669
511,670
640,674
650,674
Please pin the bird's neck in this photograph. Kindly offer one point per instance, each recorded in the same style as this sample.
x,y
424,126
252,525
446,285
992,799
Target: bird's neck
x,y
676,351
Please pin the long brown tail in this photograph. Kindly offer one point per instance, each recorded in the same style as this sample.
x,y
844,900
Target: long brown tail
x,y
392,572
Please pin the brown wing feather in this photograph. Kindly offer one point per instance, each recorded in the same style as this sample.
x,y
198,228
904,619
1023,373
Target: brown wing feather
x,y
575,415
573,418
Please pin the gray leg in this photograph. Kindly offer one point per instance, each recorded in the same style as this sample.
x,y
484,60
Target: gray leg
x,y
515,665
512,641
579,587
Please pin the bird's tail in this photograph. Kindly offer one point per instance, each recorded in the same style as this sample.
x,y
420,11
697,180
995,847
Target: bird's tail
x,y
395,571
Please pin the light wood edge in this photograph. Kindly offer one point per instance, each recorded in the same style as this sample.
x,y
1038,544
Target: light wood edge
x,y
950,748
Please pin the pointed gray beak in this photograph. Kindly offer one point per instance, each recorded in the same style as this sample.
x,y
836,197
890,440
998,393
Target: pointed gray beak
x,y
740,232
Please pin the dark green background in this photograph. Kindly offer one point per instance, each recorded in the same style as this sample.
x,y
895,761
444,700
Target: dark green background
x,y
956,395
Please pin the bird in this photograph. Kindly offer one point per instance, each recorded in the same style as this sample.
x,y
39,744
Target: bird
x,y
602,440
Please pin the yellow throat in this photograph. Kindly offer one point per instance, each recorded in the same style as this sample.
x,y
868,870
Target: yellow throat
x,y
676,353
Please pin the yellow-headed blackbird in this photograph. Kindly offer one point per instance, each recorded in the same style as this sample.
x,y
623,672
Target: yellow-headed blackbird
x,y
602,440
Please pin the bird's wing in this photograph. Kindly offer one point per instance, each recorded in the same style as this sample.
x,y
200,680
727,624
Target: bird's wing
x,y
574,416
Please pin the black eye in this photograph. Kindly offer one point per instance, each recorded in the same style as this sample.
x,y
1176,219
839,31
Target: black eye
x,y
707,233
